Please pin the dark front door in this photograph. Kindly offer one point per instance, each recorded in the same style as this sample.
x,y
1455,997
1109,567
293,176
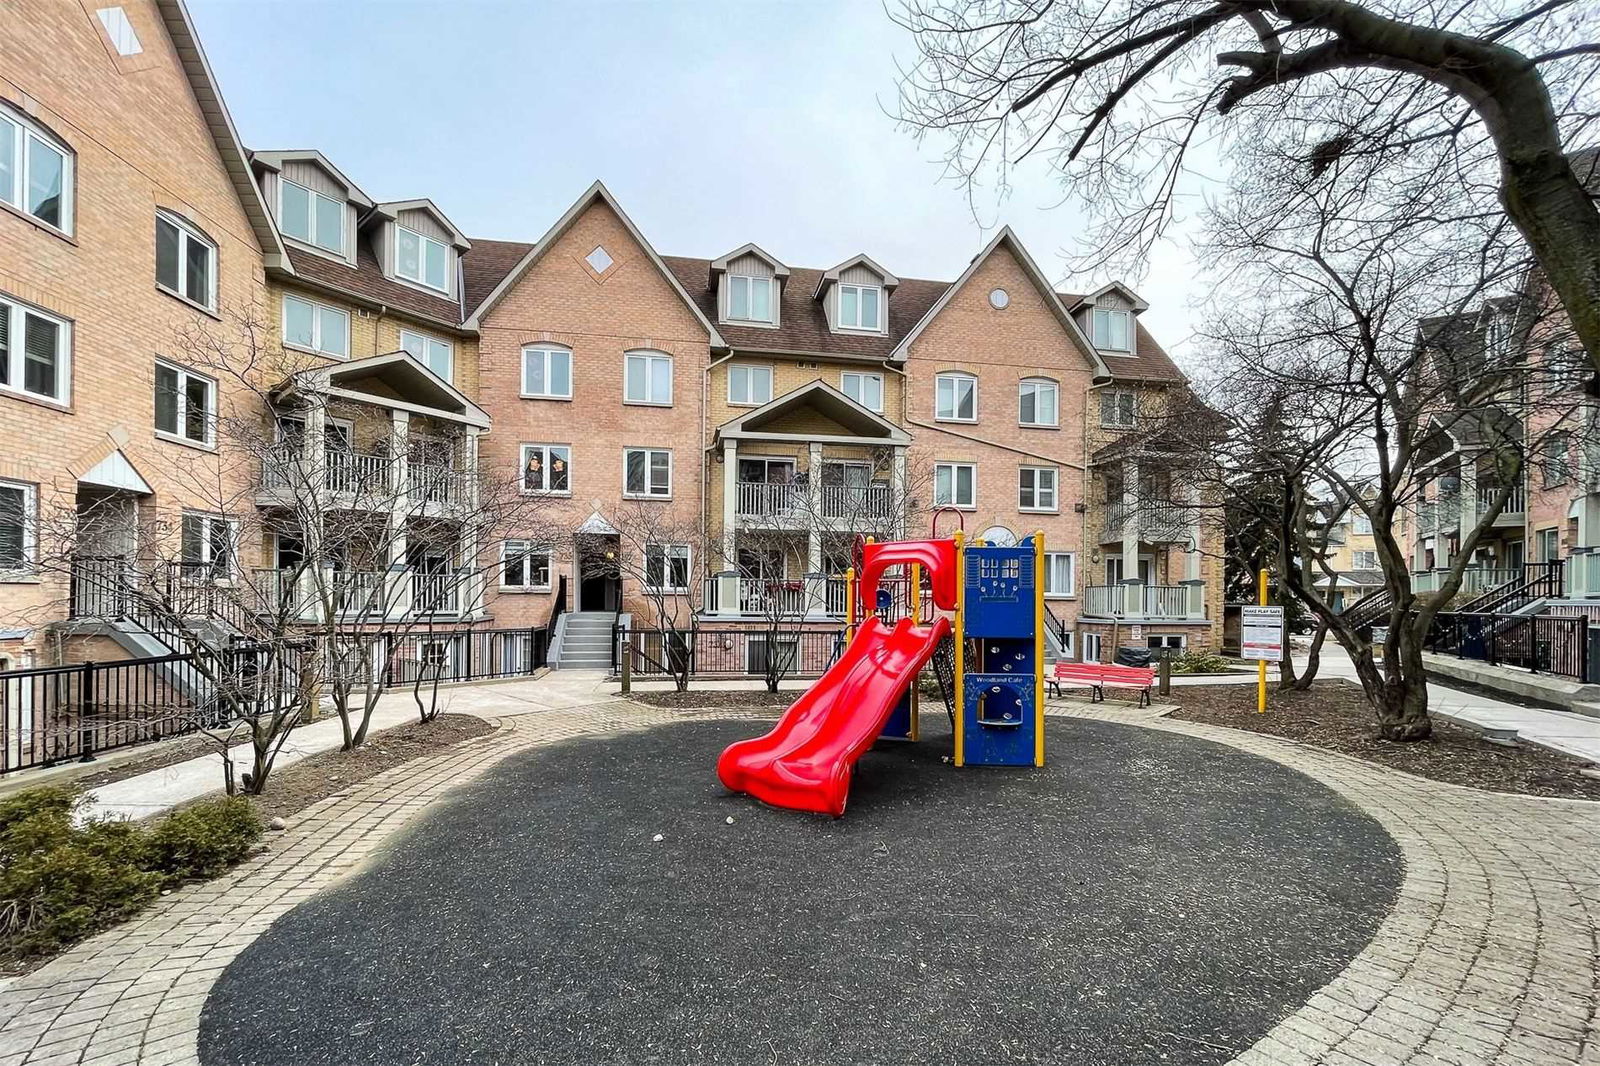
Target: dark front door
x,y
599,580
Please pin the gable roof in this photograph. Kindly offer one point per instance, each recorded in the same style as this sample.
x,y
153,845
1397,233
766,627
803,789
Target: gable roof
x,y
1051,298
275,161
486,266
366,282
391,210
1090,299
203,84
400,370
719,265
595,192
832,274
821,397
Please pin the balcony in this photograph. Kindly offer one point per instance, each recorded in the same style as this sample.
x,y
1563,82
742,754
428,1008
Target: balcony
x,y
365,476
1583,573
787,597
1474,579
434,593
771,503
1157,523
857,501
1150,603
1512,513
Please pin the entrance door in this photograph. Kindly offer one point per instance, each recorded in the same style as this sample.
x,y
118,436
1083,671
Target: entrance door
x,y
599,580
1115,575
1514,555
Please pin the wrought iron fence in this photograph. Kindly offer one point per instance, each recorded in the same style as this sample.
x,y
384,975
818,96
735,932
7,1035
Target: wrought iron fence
x,y
746,652
1541,643
462,654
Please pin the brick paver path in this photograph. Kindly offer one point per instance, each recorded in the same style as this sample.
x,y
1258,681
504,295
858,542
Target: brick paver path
x,y
1488,957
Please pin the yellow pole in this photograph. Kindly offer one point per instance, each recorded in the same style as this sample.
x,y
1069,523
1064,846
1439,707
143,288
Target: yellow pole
x,y
961,648
1261,664
916,619
850,603
1038,647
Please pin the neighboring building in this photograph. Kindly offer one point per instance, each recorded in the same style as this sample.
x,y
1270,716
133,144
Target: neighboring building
x,y
760,414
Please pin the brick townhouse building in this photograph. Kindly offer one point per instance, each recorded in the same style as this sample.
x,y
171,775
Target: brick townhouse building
x,y
779,410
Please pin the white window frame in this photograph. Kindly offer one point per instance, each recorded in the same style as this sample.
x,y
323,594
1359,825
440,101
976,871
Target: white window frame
x,y
668,553
1547,544
206,544
1355,559
185,375
1072,575
954,377
862,378
527,551
428,340
1361,525
859,290
953,467
789,643
1089,640
23,135
1116,408
545,352
751,281
119,30
649,492
314,234
30,521
522,469
318,309
15,365
1039,385
1038,490
187,234
422,259
649,359
1181,638
1112,314
749,398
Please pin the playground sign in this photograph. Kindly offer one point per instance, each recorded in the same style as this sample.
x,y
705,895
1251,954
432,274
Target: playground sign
x,y
1261,635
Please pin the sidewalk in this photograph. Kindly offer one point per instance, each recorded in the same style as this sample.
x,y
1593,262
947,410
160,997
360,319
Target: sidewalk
x,y
155,791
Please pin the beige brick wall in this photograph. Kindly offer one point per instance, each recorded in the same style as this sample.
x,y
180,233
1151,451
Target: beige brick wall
x,y
791,374
140,144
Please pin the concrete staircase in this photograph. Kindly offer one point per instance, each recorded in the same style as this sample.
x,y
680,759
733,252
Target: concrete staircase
x,y
585,641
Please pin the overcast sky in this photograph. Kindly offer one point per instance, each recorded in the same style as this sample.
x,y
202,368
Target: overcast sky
x,y
714,124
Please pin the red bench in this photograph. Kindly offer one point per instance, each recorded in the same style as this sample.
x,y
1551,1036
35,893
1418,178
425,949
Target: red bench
x,y
1096,676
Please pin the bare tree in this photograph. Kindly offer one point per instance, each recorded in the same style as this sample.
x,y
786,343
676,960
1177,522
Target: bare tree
x,y
1482,101
663,553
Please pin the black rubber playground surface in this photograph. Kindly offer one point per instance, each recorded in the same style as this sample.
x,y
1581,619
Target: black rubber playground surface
x,y
1147,898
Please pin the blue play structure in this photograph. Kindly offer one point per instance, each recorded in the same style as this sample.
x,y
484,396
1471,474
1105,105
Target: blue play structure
x,y
1001,695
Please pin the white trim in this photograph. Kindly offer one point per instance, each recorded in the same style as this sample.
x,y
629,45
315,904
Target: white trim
x,y
1055,489
24,134
206,553
666,568
15,370
648,493
650,355
749,402
181,405
317,339
30,533
955,375
972,505
864,375
1132,422
545,350
522,468
528,550
1055,407
312,229
1072,567
880,302
726,288
1127,328
187,234
423,240
428,339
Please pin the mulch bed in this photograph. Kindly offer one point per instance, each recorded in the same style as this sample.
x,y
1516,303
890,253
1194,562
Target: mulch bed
x,y
1335,715
296,787
739,699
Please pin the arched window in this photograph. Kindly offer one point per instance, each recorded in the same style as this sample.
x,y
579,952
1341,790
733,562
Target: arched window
x,y
547,372
1038,402
955,397
647,378
35,170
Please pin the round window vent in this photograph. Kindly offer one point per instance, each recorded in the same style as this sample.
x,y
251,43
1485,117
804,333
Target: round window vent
x,y
999,298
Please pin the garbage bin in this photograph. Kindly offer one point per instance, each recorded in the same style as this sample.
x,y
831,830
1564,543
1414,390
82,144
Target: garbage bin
x,y
1128,655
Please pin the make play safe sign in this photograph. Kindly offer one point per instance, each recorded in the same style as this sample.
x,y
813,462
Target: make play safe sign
x,y
1261,634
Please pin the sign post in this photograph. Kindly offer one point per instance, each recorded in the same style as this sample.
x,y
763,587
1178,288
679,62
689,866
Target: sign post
x,y
1261,639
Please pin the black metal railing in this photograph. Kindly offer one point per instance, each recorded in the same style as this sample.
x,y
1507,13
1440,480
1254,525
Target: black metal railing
x,y
1541,643
741,652
55,713
462,654
1538,581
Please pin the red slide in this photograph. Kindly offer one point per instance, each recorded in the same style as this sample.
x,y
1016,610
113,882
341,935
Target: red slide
x,y
806,761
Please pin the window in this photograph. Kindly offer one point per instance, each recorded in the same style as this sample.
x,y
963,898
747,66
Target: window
x,y
1111,330
421,259
1119,409
34,352
858,306
955,485
956,398
749,299
35,172
1060,574
647,472
547,373
1364,560
1036,488
765,652
547,468
749,385
864,389
666,567
1165,642
647,378
311,217
1038,403
186,404
315,327
1557,466
1361,524
522,566
17,504
1547,545
185,262
208,542
120,31
1091,647
433,353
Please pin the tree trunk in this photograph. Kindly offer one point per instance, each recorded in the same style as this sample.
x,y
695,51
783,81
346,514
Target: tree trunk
x,y
1313,658
1399,692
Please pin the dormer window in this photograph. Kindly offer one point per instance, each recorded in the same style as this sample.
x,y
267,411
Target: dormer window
x,y
311,217
749,299
421,259
859,306
1113,330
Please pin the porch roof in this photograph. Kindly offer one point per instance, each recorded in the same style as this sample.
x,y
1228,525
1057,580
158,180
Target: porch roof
x,y
395,380
773,421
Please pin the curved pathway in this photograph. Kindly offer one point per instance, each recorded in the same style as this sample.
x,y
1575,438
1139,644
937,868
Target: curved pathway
x,y
1489,955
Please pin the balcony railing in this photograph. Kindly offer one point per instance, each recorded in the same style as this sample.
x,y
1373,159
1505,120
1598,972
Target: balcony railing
x,y
764,500
435,483
1155,602
790,596
365,474
1474,579
1516,503
434,593
1156,522
856,501
1583,573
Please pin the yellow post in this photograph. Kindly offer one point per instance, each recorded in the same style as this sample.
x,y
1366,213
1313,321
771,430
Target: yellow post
x,y
961,648
850,603
916,618
1038,647
1261,664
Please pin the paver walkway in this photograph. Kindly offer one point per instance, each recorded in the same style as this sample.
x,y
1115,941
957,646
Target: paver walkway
x,y
1489,956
